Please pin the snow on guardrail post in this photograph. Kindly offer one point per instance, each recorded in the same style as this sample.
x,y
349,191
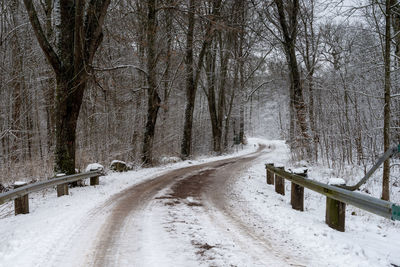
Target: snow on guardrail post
x,y
297,192
335,210
95,167
270,174
62,189
280,182
21,204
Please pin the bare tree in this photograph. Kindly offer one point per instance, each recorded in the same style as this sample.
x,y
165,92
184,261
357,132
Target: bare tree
x,y
193,74
309,49
79,34
386,119
288,21
154,100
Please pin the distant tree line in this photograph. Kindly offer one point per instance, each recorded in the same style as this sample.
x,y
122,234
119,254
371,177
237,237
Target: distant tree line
x,y
85,81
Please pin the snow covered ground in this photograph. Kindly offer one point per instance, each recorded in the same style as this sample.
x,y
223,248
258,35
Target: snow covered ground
x,y
198,235
369,240
31,239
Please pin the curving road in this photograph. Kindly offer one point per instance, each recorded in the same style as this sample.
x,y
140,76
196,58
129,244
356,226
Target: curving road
x,y
186,217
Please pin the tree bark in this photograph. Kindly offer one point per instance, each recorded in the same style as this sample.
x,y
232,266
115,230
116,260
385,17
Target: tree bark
x,y
386,120
309,54
216,106
191,86
67,112
154,101
241,104
210,73
230,106
192,77
289,32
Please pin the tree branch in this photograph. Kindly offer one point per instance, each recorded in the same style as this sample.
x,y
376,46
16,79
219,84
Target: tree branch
x,y
120,67
96,13
48,50
256,89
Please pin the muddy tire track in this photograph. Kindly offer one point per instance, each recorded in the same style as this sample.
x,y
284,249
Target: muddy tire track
x,y
205,183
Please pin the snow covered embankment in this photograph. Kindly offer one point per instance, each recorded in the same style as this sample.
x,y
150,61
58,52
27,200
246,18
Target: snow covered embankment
x,y
369,240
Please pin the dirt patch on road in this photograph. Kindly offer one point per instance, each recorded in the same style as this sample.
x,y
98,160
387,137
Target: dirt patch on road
x,y
202,248
192,185
188,189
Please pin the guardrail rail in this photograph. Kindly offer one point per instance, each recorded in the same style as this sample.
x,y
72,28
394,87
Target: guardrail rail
x,y
336,197
21,191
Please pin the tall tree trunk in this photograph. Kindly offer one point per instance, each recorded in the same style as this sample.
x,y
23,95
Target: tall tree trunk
x,y
49,88
230,106
241,104
17,96
216,109
192,77
167,74
154,101
67,112
79,34
18,88
386,120
289,32
312,117
28,122
310,58
396,28
49,97
221,98
191,86
358,133
210,72
396,37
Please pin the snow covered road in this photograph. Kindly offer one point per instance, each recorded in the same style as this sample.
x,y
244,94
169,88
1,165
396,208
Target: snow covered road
x,y
214,212
182,218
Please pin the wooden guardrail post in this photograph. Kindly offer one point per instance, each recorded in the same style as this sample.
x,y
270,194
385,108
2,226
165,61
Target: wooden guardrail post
x,y
335,211
94,180
21,204
280,182
270,175
297,193
62,189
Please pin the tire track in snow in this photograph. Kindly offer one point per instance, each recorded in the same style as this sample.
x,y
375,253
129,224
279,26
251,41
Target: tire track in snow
x,y
131,212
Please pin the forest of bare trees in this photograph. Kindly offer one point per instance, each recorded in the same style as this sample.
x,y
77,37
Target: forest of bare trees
x,y
98,80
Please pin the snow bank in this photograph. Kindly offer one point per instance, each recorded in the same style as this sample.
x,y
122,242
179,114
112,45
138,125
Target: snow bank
x,y
369,240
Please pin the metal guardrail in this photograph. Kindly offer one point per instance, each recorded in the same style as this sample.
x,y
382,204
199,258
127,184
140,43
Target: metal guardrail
x,y
374,205
389,153
27,189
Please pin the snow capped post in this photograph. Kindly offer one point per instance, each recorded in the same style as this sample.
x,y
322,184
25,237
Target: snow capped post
x,y
297,191
270,175
280,182
94,167
21,204
335,210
